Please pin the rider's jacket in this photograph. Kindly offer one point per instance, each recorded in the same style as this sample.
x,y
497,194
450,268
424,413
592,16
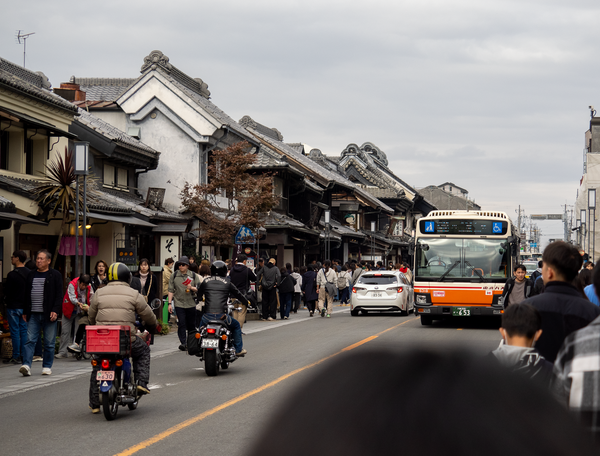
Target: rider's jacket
x,y
215,291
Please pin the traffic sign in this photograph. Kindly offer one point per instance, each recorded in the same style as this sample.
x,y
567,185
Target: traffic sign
x,y
533,245
244,236
546,216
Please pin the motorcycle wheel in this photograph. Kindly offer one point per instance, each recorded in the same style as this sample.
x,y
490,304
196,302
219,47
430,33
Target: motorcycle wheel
x,y
109,405
211,363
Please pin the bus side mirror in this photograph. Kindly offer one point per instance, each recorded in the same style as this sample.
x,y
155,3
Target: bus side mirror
x,y
502,251
424,247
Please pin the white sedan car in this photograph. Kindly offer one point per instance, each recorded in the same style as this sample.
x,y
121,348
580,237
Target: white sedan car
x,y
382,291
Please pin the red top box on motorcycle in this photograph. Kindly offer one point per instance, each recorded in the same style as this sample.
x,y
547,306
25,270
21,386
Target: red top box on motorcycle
x,y
108,339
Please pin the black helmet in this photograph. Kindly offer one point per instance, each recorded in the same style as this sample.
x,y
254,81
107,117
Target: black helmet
x,y
118,272
218,268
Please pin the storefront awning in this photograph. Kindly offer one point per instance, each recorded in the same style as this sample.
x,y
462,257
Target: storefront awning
x,y
125,219
20,218
170,228
30,122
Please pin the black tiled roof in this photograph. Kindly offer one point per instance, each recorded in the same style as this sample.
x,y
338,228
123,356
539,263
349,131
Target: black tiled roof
x,y
33,84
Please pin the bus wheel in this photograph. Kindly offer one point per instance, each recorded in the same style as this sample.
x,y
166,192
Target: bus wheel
x,y
426,320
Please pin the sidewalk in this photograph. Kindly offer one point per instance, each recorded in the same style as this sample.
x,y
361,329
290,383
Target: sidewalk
x,y
12,382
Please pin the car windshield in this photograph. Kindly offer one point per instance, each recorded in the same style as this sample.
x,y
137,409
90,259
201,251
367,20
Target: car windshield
x,y
377,279
471,259
531,267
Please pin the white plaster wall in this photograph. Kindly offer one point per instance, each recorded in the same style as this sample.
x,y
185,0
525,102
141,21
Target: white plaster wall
x,y
179,158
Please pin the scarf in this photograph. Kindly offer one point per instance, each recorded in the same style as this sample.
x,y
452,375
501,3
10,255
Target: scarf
x,y
143,278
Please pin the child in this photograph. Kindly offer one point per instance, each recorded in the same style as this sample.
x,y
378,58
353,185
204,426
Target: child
x,y
521,327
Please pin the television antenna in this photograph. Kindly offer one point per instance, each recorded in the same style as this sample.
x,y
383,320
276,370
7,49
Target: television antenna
x,y
23,36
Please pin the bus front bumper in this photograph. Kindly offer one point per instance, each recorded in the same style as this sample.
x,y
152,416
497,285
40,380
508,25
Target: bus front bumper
x,y
439,311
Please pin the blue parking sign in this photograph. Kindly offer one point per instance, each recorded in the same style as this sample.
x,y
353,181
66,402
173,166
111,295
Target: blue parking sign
x,y
430,227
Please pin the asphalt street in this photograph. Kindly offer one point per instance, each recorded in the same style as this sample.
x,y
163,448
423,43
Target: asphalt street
x,y
190,413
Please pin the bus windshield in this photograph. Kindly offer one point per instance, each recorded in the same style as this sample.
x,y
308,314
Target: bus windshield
x,y
471,259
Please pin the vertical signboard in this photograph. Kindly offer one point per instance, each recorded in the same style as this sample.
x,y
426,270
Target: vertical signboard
x,y
169,248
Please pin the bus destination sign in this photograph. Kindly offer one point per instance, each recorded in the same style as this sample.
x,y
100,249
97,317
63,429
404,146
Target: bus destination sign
x,y
458,226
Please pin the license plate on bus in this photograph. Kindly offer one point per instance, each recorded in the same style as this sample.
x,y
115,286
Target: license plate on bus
x,y
461,312
105,376
210,343
376,294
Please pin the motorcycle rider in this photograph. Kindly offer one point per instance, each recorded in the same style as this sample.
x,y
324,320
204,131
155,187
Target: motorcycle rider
x,y
216,289
117,304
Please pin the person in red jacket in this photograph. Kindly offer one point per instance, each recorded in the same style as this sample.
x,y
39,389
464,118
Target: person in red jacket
x,y
76,299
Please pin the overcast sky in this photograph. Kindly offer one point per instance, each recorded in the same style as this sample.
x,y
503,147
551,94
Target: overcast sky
x,y
491,95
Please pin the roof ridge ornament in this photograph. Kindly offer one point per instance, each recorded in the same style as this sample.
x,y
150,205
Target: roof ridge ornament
x,y
155,59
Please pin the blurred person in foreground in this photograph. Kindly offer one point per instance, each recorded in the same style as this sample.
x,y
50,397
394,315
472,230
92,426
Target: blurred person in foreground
x,y
521,327
562,307
461,405
577,372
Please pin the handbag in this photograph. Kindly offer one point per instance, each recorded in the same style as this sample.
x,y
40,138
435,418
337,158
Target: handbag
x,y
329,286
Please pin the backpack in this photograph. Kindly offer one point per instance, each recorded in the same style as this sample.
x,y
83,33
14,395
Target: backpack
x,y
341,281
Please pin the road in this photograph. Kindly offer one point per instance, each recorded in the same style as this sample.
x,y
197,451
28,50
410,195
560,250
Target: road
x,y
190,413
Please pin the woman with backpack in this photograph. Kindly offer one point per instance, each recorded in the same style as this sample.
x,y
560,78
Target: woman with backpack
x,y
309,289
286,292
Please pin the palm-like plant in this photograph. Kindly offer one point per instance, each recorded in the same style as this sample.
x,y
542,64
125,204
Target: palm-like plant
x,y
57,193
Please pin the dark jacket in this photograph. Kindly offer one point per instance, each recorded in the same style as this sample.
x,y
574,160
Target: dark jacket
x,y
286,284
241,276
270,276
150,288
510,284
97,283
15,288
53,294
563,311
215,291
309,286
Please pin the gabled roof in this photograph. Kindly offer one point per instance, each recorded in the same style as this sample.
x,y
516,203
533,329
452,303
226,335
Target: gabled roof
x,y
36,85
317,172
453,185
113,89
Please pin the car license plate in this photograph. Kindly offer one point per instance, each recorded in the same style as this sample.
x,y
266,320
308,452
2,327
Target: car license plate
x,y
105,375
376,294
461,312
210,343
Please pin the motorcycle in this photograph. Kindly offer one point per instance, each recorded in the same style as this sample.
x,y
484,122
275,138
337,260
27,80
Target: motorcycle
x,y
213,344
110,347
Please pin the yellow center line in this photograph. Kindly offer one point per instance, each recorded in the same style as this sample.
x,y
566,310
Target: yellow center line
x,y
163,435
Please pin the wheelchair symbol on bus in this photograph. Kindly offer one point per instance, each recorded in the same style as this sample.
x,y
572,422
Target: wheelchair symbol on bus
x,y
429,227
497,227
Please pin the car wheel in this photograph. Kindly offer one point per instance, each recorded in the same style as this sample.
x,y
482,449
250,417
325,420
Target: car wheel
x,y
364,312
426,320
354,313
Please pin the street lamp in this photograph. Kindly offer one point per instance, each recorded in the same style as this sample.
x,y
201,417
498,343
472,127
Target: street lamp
x,y
261,230
327,215
81,169
592,207
373,241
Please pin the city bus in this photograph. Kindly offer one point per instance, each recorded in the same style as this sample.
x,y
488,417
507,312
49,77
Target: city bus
x,y
461,262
